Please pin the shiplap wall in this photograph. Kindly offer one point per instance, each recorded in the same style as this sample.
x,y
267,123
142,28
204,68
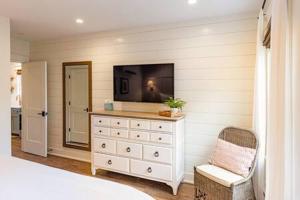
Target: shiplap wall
x,y
19,50
214,66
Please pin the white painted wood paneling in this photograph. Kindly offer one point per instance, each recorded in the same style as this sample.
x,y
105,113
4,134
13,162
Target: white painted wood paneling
x,y
19,50
214,65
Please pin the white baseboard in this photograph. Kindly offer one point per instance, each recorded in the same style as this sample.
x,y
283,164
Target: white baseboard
x,y
71,154
188,178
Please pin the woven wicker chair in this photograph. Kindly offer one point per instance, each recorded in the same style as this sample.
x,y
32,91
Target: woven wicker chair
x,y
207,189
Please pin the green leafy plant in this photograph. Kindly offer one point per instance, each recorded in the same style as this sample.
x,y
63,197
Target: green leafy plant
x,y
175,103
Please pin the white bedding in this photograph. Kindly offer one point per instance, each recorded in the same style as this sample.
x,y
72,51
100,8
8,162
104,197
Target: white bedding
x,y
24,180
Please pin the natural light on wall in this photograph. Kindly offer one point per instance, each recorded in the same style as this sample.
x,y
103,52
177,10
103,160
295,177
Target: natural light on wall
x,y
16,85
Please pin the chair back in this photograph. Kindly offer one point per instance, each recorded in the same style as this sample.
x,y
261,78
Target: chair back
x,y
241,137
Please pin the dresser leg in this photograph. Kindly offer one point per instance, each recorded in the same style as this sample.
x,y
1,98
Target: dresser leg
x,y
93,171
174,187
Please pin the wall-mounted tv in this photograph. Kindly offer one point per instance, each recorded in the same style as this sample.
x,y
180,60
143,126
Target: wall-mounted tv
x,y
153,83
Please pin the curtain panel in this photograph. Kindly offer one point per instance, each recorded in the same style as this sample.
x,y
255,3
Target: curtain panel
x,y
283,103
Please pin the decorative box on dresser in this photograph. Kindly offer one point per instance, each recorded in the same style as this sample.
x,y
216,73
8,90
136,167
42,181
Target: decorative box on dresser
x,y
139,144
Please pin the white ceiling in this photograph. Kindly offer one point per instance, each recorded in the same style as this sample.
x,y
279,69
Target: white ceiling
x,y
45,19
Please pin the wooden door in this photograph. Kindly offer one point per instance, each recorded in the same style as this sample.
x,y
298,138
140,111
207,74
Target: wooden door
x,y
34,108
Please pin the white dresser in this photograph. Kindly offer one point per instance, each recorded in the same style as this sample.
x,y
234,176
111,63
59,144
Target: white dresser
x,y
139,144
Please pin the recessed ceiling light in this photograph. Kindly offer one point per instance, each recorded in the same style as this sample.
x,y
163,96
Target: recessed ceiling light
x,y
191,2
79,21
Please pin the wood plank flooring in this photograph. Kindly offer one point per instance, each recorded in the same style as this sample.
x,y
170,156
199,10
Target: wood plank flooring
x,y
157,190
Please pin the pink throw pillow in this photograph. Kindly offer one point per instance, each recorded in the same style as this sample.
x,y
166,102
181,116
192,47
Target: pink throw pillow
x,y
234,158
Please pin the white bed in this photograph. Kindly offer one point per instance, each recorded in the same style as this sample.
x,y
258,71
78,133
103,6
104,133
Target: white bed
x,y
24,180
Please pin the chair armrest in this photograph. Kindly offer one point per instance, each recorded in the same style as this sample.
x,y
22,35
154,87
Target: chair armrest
x,y
244,180
241,181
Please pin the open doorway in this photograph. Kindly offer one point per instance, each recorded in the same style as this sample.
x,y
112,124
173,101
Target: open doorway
x,y
16,99
77,103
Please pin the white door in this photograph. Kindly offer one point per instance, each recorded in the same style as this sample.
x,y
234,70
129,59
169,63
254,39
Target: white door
x,y
34,108
77,104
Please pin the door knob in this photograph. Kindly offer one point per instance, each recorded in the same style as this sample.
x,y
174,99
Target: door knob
x,y
43,113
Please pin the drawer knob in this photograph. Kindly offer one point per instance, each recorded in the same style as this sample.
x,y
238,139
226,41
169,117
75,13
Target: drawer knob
x,y
138,136
149,170
159,138
138,124
118,133
128,149
100,131
160,127
156,154
118,123
100,121
103,145
109,162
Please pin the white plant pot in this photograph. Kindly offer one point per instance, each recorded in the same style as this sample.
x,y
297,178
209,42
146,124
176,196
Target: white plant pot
x,y
174,110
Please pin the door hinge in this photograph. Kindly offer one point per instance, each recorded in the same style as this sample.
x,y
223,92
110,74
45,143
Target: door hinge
x,y
69,76
69,103
69,129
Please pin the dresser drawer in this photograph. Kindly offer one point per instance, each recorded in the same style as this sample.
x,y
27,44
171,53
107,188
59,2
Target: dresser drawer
x,y
111,162
120,133
158,154
152,170
119,123
104,146
129,149
140,124
161,138
161,126
139,135
101,121
100,131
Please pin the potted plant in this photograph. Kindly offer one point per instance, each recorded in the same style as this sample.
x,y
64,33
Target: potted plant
x,y
176,105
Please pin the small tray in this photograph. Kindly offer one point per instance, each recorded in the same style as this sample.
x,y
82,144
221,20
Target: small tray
x,y
168,113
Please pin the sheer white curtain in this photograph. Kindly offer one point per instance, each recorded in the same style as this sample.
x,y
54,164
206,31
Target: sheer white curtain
x,y
260,108
296,97
283,104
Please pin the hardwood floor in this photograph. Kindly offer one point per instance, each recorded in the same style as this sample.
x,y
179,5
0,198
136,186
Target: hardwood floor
x,y
157,190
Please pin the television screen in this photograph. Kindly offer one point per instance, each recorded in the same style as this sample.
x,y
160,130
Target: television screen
x,y
144,83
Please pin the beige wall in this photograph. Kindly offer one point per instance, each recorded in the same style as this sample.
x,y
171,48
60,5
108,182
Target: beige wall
x,y
214,64
5,144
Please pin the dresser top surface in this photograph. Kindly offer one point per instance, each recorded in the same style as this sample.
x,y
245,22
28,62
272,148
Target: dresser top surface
x,y
143,115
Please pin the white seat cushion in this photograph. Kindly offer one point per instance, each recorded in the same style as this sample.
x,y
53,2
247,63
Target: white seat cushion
x,y
219,175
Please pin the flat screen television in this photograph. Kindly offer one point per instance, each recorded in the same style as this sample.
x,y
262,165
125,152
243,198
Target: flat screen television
x,y
153,83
